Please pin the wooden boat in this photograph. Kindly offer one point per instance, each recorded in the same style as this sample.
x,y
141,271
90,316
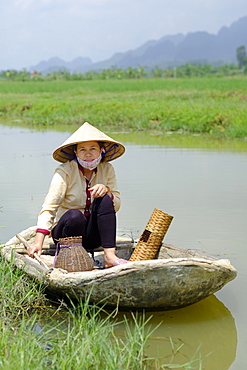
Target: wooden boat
x,y
177,278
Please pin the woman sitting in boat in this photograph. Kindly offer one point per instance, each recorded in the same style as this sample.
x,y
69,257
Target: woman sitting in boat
x,y
83,198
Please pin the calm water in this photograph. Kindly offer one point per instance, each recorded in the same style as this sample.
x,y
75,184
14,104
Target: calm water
x,y
205,191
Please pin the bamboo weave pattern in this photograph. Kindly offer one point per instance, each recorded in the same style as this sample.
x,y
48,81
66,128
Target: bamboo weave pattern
x,y
72,256
152,237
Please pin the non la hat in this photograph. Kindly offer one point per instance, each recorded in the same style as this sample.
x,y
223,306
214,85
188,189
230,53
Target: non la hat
x,y
87,132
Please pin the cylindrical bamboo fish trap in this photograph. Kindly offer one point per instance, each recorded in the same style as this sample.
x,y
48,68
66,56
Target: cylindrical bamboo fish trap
x,y
71,255
152,237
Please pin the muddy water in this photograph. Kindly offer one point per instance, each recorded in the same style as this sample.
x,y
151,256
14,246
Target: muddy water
x,y
202,185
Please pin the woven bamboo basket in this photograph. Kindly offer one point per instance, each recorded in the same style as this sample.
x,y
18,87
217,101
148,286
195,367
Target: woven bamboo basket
x,y
152,237
72,256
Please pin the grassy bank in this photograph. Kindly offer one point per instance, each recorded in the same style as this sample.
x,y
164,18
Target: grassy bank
x,y
87,341
212,106
36,335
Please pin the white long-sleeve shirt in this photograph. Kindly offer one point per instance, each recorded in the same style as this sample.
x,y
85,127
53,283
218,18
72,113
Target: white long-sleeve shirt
x,y
68,191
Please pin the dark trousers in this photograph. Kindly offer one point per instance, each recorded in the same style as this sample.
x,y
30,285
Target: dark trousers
x,y
99,229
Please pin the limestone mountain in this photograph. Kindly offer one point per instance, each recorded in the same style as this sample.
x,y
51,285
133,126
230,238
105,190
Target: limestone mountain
x,y
171,50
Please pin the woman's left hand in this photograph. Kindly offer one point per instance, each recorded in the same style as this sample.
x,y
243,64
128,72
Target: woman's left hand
x,y
98,190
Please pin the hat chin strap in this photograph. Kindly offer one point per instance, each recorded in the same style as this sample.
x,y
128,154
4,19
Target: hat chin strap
x,y
90,165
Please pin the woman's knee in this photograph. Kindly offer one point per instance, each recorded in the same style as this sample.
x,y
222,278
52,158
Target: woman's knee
x,y
104,202
72,223
74,214
74,217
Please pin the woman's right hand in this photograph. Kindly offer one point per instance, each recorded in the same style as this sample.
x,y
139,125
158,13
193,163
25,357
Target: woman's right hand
x,y
36,247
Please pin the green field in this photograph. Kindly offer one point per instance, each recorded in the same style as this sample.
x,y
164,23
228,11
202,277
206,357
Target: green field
x,y
216,107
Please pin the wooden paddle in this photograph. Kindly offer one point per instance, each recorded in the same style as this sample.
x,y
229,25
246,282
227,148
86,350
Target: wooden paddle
x,y
26,245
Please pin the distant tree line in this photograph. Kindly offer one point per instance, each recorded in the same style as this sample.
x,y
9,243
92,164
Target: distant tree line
x,y
241,57
182,71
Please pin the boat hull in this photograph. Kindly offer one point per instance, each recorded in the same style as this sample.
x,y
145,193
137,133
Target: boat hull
x,y
159,284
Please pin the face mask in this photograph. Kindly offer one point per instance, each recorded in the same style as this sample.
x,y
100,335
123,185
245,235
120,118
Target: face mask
x,y
89,165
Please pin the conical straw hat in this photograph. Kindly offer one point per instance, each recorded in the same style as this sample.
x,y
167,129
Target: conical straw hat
x,y
87,132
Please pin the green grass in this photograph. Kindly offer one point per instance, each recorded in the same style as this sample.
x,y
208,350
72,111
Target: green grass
x,y
36,335
18,296
212,106
87,340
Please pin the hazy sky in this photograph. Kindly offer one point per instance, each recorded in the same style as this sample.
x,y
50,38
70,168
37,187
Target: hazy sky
x,y
35,30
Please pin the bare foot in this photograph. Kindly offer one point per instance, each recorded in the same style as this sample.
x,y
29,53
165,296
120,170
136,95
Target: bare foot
x,y
111,259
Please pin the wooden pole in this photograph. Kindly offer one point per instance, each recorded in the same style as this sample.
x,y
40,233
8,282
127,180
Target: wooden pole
x,y
26,245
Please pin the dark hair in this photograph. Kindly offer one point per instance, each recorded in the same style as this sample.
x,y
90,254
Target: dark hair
x,y
102,146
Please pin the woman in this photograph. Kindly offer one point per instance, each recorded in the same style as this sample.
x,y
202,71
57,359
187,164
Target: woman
x,y
83,198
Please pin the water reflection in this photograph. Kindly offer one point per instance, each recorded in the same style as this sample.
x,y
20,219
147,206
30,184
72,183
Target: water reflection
x,y
205,329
